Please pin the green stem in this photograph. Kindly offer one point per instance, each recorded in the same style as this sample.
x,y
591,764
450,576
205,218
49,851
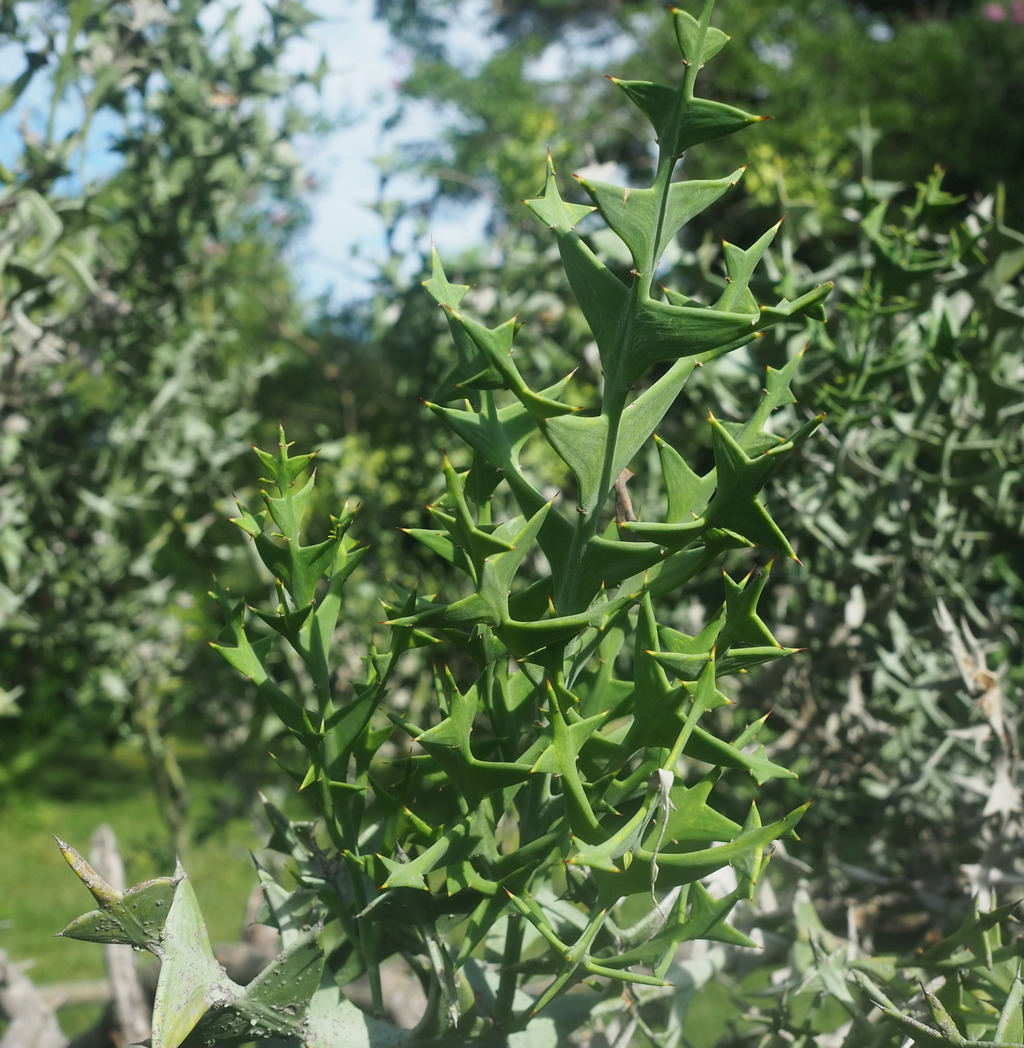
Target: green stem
x,y
505,998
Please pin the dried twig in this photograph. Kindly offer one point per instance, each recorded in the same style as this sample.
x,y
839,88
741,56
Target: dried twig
x,y
32,1022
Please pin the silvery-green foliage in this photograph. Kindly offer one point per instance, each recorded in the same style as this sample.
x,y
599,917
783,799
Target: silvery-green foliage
x,y
963,988
910,534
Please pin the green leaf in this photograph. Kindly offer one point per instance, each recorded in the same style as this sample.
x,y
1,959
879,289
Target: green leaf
x,y
741,619
532,639
453,845
472,371
438,286
478,543
284,469
740,479
944,1020
577,439
443,546
133,917
333,1020
188,970
676,868
570,733
637,216
552,209
577,960
919,1034
273,1004
752,436
681,123
975,933
704,746
698,42
692,819
662,331
498,434
450,743
197,1004
291,912
601,295
656,702
739,268
495,345
1010,1025
704,918
249,660
688,493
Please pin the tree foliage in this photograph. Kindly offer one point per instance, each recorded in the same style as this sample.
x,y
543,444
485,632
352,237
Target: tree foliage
x,y
919,81
912,539
145,304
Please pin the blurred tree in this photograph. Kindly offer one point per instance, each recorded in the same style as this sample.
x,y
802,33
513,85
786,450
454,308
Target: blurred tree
x,y
135,282
941,82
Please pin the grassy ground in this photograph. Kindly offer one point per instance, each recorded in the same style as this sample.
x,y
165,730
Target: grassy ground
x,y
39,894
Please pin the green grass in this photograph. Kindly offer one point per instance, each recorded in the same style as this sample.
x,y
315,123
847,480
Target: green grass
x,y
39,894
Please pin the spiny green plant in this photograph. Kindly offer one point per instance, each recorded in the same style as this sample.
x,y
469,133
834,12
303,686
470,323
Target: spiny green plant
x,y
550,817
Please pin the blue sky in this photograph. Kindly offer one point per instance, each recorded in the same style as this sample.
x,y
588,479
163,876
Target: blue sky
x,y
337,253
359,90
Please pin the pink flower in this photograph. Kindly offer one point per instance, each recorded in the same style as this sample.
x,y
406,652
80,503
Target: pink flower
x,y
1017,12
994,12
